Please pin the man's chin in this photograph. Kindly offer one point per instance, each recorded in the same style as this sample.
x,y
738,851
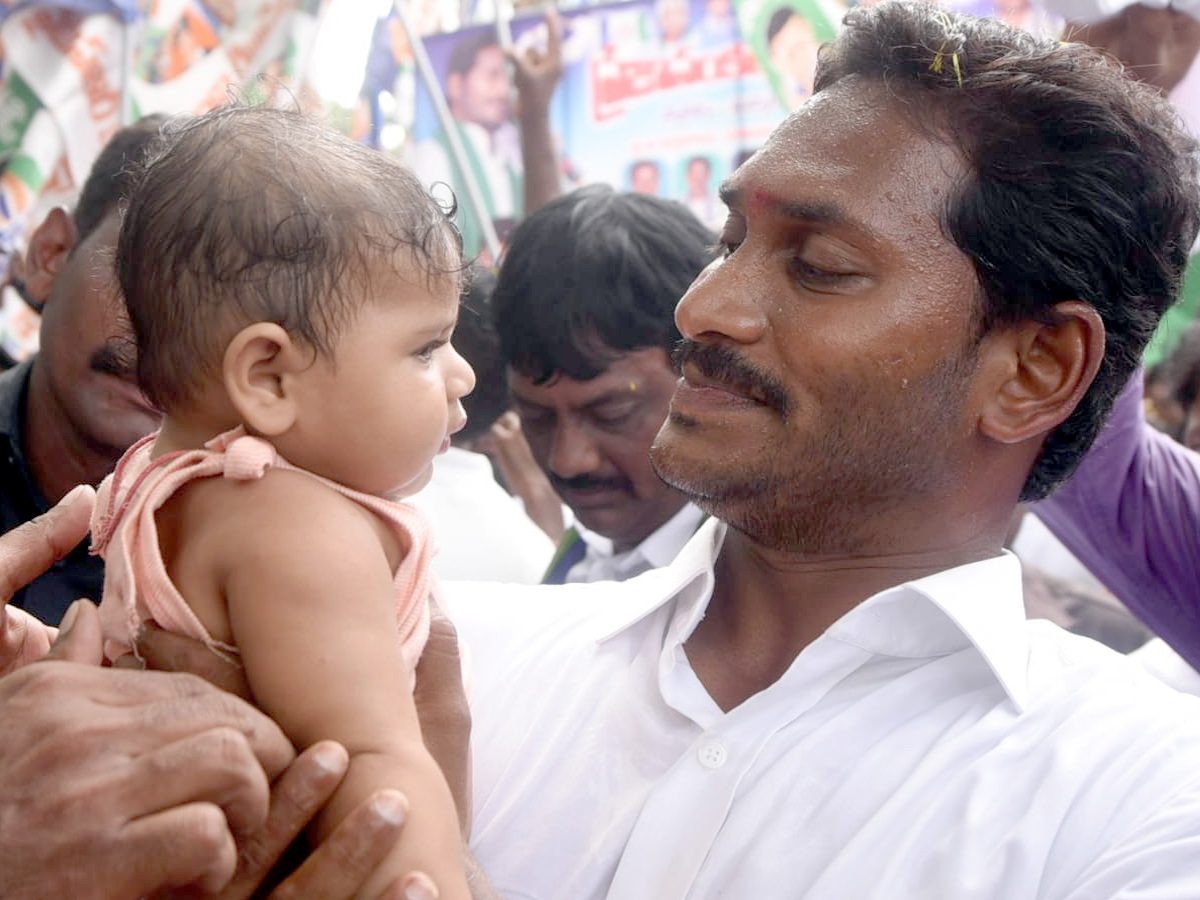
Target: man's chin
x,y
606,521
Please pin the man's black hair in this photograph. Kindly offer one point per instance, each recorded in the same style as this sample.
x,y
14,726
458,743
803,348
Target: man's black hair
x,y
463,54
114,172
1082,182
593,275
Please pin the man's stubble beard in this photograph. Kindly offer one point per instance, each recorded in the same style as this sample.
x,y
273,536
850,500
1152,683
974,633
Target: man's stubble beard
x,y
872,458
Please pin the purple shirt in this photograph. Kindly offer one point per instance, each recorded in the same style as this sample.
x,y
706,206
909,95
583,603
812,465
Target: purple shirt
x,y
1131,513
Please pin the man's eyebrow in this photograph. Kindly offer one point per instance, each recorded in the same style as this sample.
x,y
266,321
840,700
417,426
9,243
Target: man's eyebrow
x,y
616,395
830,214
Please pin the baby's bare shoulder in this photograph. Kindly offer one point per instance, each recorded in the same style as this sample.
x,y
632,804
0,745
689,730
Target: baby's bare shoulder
x,y
281,517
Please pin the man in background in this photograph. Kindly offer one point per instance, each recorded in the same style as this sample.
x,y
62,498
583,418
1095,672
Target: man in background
x,y
584,307
477,92
70,411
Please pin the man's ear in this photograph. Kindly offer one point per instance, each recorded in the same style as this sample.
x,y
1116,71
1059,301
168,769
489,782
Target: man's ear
x,y
49,246
259,371
1040,371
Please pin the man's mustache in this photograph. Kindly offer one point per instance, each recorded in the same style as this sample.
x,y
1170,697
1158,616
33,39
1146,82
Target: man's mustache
x,y
719,363
587,483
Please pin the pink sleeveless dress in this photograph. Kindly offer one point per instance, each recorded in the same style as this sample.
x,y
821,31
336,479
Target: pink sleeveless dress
x,y
136,584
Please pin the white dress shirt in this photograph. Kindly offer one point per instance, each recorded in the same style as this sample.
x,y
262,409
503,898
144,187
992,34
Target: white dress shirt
x,y
659,549
931,745
480,530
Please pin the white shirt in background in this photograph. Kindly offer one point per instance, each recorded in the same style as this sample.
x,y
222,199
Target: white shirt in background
x,y
482,533
659,549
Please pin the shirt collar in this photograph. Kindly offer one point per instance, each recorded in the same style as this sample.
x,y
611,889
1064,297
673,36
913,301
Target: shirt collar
x,y
659,548
978,604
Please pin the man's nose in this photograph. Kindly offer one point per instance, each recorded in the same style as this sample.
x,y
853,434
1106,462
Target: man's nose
x,y
721,304
573,452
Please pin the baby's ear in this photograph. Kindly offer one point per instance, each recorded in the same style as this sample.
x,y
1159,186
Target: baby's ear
x,y
260,364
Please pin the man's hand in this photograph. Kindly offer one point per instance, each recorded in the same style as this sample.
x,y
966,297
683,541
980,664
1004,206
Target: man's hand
x,y
439,696
117,784
536,73
443,711
506,446
25,553
341,865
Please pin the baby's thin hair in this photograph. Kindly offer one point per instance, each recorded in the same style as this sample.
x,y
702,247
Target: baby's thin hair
x,y
251,214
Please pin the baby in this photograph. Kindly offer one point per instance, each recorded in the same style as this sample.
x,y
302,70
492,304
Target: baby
x,y
292,294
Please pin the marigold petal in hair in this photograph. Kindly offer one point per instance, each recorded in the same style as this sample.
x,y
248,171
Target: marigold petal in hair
x,y
937,64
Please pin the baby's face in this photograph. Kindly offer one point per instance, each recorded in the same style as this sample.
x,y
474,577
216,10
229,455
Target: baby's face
x,y
378,412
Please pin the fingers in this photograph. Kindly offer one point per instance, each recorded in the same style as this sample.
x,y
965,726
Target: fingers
x,y
167,652
419,886
553,34
296,798
340,866
191,713
79,637
215,766
187,845
23,639
443,711
154,709
30,549
439,670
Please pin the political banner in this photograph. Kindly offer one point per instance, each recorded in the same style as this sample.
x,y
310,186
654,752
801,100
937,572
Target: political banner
x,y
83,68
663,98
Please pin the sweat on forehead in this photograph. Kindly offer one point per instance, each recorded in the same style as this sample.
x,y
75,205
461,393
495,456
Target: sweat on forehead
x,y
255,214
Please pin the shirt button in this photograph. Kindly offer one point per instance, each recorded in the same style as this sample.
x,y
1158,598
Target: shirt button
x,y
712,754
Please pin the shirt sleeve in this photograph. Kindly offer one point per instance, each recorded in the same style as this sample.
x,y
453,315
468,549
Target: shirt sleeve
x,y
1131,514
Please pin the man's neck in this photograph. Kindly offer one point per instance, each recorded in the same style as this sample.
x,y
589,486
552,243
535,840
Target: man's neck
x,y
58,458
768,605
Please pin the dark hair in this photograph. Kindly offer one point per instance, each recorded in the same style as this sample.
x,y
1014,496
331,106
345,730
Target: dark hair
x,y
256,214
593,275
476,340
778,19
1082,182
463,54
113,173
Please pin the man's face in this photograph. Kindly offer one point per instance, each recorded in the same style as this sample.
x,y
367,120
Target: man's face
x,y
592,439
697,176
87,349
673,19
793,51
831,345
644,179
480,94
718,9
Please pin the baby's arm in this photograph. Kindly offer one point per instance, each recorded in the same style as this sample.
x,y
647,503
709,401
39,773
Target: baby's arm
x,y
312,609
